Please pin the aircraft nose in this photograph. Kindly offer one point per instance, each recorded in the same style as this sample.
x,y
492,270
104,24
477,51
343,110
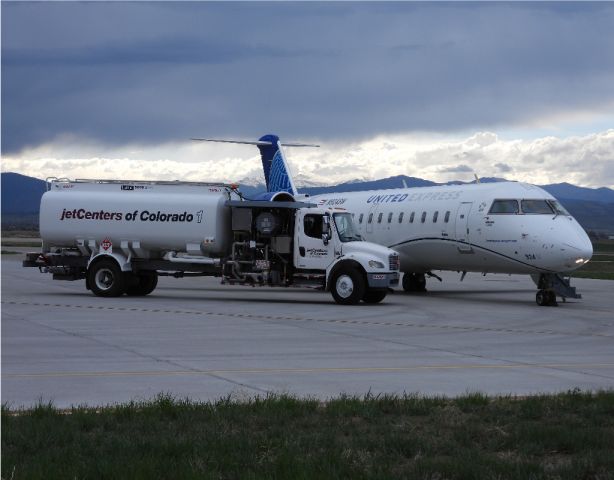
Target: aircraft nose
x,y
579,248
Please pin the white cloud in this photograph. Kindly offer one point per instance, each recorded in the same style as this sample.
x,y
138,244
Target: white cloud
x,y
584,160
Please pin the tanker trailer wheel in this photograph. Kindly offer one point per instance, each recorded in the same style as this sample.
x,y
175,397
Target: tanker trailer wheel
x,y
348,286
146,283
106,279
374,296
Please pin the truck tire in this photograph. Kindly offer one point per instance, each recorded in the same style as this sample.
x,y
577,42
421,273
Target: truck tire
x,y
146,283
106,279
374,296
348,286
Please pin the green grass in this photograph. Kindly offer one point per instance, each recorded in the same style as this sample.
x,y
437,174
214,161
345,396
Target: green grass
x,y
601,265
20,244
566,436
9,252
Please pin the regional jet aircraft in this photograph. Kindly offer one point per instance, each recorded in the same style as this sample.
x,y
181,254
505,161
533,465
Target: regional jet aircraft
x,y
505,227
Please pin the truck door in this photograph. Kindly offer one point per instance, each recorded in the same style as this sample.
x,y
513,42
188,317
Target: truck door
x,y
311,253
462,227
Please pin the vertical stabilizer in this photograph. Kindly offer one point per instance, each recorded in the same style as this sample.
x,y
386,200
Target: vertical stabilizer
x,y
276,171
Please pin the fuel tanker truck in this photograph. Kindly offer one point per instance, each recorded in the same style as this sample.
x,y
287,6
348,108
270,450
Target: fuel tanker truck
x,y
120,236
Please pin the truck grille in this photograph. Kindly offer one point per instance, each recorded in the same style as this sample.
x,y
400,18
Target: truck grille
x,y
393,261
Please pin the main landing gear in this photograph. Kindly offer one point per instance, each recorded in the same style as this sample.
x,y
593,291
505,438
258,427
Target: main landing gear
x,y
414,282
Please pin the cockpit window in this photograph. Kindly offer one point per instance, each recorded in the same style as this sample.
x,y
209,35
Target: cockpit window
x,y
558,208
538,207
504,206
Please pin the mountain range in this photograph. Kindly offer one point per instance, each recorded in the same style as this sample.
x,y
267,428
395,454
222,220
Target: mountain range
x,y
592,207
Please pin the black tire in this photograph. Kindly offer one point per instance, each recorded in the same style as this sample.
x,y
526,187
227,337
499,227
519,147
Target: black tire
x,y
374,296
541,298
551,298
146,282
348,286
106,279
414,282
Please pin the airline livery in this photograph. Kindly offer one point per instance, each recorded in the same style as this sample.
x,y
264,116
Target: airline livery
x,y
504,227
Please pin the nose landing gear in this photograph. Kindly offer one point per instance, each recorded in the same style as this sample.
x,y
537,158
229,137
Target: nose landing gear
x,y
546,298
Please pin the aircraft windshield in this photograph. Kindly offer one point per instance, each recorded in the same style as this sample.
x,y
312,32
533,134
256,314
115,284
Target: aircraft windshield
x,y
558,208
345,227
539,207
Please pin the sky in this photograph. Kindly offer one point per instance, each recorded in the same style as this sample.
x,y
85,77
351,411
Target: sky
x,y
441,91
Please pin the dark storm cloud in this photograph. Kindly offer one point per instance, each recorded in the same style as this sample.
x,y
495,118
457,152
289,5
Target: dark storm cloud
x,y
458,169
152,72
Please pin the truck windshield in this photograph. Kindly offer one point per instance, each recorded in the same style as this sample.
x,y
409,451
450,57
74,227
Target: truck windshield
x,y
345,227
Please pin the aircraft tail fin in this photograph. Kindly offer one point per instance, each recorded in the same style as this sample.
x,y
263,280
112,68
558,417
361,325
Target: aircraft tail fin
x,y
276,171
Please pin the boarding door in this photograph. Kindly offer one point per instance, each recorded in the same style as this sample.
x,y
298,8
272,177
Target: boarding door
x,y
462,227
311,252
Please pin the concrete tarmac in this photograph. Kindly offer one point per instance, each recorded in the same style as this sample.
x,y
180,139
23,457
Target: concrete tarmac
x,y
196,338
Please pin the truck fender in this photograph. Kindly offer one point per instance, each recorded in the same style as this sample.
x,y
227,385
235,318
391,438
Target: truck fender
x,y
341,265
124,262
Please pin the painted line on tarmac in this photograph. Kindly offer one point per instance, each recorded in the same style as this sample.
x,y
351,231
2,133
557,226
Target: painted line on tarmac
x,y
307,319
256,371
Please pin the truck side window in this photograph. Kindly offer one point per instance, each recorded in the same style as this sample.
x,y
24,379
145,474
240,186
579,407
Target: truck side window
x,y
360,217
411,217
312,224
447,217
504,206
422,220
401,217
390,217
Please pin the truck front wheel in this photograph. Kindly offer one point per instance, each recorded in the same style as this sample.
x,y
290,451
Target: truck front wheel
x,y
348,287
146,283
374,296
106,279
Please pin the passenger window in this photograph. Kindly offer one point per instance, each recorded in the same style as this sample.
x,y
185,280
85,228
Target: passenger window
x,y
536,207
401,217
504,206
423,219
379,218
435,215
447,217
370,218
411,217
390,217
313,225
360,217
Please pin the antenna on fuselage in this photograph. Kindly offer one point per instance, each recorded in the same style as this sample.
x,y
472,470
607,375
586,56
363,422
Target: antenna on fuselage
x,y
477,180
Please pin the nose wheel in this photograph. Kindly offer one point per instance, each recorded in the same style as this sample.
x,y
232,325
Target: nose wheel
x,y
546,298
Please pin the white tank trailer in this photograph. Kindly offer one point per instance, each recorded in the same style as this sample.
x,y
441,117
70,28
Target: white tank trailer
x,y
120,236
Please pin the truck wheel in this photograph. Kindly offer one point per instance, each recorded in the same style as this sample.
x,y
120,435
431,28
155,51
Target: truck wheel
x,y
106,279
146,283
348,287
374,296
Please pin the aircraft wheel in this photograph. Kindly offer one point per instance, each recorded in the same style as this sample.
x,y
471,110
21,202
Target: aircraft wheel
x,y
541,298
414,282
551,298
374,296
348,287
106,279
146,283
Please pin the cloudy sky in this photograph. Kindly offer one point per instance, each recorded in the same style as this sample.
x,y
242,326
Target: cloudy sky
x,y
433,90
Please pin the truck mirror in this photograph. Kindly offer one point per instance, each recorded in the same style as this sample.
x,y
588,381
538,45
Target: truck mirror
x,y
325,229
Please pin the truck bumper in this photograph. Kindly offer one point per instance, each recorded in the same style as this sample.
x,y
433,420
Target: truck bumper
x,y
383,280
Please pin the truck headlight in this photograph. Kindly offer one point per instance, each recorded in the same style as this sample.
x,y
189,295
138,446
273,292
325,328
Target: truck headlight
x,y
375,264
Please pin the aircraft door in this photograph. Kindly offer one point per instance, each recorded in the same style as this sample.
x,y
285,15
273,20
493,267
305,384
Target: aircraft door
x,y
462,227
371,218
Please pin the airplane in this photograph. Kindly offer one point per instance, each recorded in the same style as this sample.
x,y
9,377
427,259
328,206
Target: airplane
x,y
503,227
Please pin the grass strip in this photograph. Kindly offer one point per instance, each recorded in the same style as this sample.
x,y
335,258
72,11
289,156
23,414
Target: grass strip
x,y
564,436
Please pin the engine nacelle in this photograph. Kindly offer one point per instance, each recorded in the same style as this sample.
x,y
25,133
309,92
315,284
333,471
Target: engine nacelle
x,y
275,197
